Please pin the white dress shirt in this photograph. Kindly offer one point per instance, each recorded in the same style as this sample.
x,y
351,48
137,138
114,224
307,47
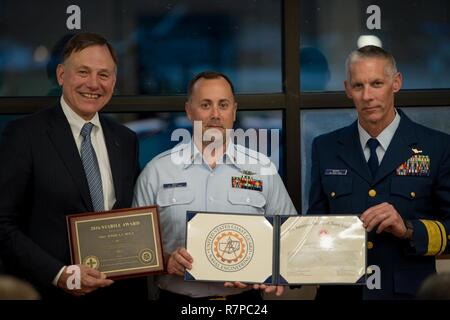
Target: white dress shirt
x,y
384,138
99,145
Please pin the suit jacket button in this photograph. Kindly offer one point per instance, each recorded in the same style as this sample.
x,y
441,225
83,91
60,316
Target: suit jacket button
x,y
333,194
369,245
413,194
372,193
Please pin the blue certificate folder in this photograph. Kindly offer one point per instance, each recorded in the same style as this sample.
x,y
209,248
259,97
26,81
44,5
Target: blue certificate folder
x,y
283,250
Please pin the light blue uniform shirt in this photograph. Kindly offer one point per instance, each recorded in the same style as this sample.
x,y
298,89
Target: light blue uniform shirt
x,y
178,180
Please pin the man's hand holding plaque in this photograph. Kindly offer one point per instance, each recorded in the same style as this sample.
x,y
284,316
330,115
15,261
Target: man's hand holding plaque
x,y
89,280
119,243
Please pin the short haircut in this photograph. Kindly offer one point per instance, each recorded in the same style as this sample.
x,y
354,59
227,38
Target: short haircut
x,y
207,75
82,41
371,52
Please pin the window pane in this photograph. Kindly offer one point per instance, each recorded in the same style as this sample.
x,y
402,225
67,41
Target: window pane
x,y
314,123
155,132
415,32
161,44
317,122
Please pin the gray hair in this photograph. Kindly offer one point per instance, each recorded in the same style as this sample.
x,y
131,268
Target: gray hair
x,y
371,52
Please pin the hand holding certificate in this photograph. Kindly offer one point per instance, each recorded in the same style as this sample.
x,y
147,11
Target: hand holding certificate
x,y
276,249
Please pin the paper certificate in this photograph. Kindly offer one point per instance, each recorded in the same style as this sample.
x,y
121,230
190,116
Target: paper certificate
x,y
229,247
322,249
276,249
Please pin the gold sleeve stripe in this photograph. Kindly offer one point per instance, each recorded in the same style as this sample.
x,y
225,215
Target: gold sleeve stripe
x,y
434,237
444,236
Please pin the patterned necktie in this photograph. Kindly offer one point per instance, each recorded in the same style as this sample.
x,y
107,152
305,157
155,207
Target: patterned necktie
x,y
373,159
91,168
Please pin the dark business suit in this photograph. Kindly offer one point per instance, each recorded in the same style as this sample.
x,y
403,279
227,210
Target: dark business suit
x,y
423,198
41,181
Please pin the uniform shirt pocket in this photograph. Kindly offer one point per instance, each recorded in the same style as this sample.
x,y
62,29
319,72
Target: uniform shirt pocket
x,y
337,186
173,203
174,196
411,187
248,200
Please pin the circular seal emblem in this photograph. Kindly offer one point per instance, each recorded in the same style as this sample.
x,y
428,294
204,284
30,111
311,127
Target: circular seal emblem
x,y
229,247
146,256
92,262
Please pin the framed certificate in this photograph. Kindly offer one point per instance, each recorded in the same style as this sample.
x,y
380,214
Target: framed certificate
x,y
121,243
276,249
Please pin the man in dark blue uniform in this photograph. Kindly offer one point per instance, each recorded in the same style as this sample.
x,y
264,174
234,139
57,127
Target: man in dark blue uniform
x,y
392,171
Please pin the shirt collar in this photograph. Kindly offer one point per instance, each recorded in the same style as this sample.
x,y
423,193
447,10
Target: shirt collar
x,y
75,121
230,153
385,137
195,156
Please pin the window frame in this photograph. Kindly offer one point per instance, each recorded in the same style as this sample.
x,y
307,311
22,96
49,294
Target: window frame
x,y
291,101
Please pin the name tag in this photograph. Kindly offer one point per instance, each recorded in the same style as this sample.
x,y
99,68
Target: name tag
x,y
335,172
174,185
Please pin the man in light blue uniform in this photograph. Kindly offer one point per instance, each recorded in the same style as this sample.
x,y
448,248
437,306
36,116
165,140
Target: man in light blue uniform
x,y
226,178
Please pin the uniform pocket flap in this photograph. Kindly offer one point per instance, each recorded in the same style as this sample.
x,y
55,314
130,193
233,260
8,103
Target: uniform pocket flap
x,y
246,197
411,187
336,186
174,196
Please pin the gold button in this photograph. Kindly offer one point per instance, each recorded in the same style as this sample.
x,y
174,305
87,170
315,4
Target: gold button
x,y
448,237
413,194
369,245
372,193
333,194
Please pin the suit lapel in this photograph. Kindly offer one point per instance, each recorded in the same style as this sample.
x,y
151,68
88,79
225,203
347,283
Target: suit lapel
x,y
349,142
114,148
400,148
61,136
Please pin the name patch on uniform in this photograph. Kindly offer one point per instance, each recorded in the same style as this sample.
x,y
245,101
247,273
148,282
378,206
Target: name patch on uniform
x,y
417,165
174,185
335,172
246,182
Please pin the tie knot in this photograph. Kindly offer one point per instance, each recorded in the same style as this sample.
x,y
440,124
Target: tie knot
x,y
86,130
372,144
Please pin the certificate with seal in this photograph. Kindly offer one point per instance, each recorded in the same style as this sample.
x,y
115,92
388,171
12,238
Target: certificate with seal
x,y
322,249
229,247
276,249
121,243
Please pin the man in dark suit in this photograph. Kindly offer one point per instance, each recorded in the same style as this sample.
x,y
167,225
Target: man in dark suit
x,y
64,160
392,171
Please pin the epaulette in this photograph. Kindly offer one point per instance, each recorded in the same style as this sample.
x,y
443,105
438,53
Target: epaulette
x,y
175,149
260,157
